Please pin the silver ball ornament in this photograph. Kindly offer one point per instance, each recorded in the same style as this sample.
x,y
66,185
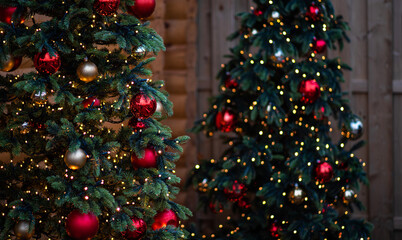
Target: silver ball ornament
x,y
269,108
275,15
21,230
139,53
39,97
279,55
159,107
297,195
75,160
24,128
348,196
87,71
354,130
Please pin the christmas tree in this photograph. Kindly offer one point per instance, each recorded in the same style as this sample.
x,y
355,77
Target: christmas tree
x,y
75,167
286,172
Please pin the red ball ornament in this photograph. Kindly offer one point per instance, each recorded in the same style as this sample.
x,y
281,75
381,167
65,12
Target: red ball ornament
x,y
82,226
47,64
320,115
324,172
142,8
91,102
149,160
231,83
236,191
319,45
244,203
106,7
165,218
142,106
136,124
215,208
225,120
140,229
257,12
310,91
313,12
6,14
275,230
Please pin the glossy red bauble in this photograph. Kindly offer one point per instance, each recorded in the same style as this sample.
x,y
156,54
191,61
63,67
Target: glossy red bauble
x,y
149,160
142,106
275,230
6,14
140,230
106,7
226,120
47,64
319,45
165,218
244,202
324,172
81,226
231,83
310,91
215,208
136,124
235,192
91,102
142,8
313,12
320,115
257,12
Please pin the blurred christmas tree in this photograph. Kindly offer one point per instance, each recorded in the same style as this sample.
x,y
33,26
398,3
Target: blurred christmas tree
x,y
77,169
282,173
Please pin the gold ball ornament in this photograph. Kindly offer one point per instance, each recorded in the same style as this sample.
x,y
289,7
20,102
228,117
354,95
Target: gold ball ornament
x,y
297,195
348,196
139,54
87,71
75,160
11,63
21,230
39,97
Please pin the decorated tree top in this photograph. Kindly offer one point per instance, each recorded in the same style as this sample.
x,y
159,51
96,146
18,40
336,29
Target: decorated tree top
x,y
77,168
285,171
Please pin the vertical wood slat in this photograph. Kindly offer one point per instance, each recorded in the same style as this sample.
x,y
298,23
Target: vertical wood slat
x,y
397,50
191,88
355,54
380,120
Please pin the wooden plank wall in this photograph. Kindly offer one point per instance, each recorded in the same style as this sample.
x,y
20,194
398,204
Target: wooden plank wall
x,y
375,87
374,51
175,21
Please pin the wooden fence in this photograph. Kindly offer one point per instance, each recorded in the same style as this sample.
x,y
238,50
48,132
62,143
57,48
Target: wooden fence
x,y
375,87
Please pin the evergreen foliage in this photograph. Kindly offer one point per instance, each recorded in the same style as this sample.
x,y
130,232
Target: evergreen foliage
x,y
279,138
36,186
